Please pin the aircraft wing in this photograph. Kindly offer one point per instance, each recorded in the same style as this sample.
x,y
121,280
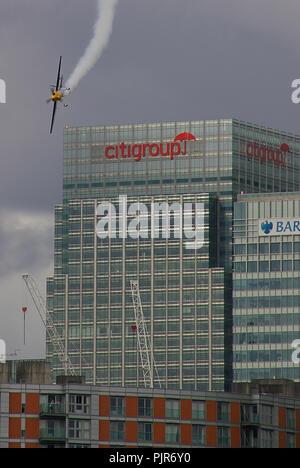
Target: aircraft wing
x,y
58,74
53,115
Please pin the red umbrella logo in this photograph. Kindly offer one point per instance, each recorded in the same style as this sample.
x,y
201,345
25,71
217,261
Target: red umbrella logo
x,y
185,136
285,147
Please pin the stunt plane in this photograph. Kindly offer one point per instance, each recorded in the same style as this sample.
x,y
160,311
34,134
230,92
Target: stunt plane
x,y
57,93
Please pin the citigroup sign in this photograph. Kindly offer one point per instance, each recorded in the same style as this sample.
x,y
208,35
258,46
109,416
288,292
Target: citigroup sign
x,y
138,151
279,226
267,154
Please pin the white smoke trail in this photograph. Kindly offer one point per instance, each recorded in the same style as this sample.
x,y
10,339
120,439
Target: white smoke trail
x,y
102,33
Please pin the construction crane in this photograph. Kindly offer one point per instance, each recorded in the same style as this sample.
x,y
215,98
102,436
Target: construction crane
x,y
144,346
51,330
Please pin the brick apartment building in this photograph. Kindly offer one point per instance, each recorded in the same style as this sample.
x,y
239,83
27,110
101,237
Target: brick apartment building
x,y
263,414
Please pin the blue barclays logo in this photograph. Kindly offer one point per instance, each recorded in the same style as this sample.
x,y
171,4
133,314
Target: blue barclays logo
x,y
266,227
280,226
2,92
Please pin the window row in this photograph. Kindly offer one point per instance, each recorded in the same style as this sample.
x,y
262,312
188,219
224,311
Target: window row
x,y
266,266
172,433
266,284
87,269
266,248
261,302
265,338
161,278
145,407
261,320
263,356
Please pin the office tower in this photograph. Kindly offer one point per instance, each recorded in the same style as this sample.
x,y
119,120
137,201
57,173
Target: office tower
x,y
266,286
188,299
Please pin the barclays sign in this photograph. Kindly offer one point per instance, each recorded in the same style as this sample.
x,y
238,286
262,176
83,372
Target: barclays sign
x,y
279,226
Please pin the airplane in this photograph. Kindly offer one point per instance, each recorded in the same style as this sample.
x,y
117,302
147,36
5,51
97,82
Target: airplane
x,y
57,93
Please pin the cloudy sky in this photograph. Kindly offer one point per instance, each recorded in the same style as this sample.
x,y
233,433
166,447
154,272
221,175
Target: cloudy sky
x,y
167,60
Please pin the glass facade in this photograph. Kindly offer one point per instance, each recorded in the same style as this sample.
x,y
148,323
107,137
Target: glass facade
x,y
216,161
186,296
266,288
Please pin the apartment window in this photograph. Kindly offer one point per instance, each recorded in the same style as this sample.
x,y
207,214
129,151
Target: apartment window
x,y
290,418
290,440
172,409
223,411
249,414
198,409
117,406
172,433
267,414
198,434
249,437
144,432
266,439
79,404
80,446
52,428
79,429
223,437
52,403
117,430
145,407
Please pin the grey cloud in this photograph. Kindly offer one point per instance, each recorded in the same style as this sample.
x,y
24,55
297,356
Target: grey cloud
x,y
26,241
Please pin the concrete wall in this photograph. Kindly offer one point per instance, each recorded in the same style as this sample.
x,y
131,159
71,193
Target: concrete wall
x,y
30,372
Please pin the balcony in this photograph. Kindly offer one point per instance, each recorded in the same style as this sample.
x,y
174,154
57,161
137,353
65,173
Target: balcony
x,y
249,415
250,420
249,444
249,437
52,410
56,436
